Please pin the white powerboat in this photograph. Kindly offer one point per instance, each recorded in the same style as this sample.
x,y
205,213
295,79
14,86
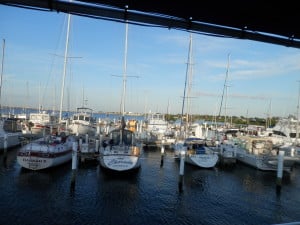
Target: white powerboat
x,y
82,122
260,153
10,133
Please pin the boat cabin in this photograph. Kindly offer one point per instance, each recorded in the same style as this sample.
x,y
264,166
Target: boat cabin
x,y
115,137
195,145
83,114
43,118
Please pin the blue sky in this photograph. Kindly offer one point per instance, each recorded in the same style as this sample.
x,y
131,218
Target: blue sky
x,y
262,78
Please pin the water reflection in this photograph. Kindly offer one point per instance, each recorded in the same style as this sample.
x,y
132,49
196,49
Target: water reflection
x,y
8,158
238,195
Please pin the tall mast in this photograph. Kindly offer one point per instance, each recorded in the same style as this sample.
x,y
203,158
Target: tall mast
x,y
225,112
225,85
297,124
65,68
40,106
190,78
27,94
187,82
124,72
269,120
123,124
2,65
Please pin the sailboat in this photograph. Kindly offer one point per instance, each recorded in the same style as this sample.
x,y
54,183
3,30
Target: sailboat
x,y
120,151
195,150
50,150
226,149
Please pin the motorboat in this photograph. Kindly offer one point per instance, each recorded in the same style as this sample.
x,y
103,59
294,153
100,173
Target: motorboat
x,y
10,133
82,122
259,152
285,132
40,124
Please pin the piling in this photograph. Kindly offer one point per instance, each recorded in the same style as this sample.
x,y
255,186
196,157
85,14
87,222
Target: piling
x,y
5,148
162,153
86,138
74,164
221,147
80,142
100,138
234,151
292,152
80,147
181,171
97,146
279,171
67,125
98,130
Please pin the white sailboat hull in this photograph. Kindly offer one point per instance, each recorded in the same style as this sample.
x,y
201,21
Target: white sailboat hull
x,y
120,162
195,153
204,161
40,162
120,155
42,154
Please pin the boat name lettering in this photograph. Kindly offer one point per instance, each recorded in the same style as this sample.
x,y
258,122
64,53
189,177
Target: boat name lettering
x,y
116,161
34,160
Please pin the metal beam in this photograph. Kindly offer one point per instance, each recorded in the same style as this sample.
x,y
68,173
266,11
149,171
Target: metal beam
x,y
105,12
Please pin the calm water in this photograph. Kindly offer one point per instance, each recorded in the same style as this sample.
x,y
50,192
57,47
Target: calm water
x,y
240,195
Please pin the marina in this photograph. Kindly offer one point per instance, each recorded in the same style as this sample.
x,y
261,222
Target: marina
x,y
235,195
132,154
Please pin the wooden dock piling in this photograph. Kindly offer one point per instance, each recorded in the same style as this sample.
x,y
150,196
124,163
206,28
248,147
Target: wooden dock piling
x,y
162,153
279,171
74,164
181,171
5,149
